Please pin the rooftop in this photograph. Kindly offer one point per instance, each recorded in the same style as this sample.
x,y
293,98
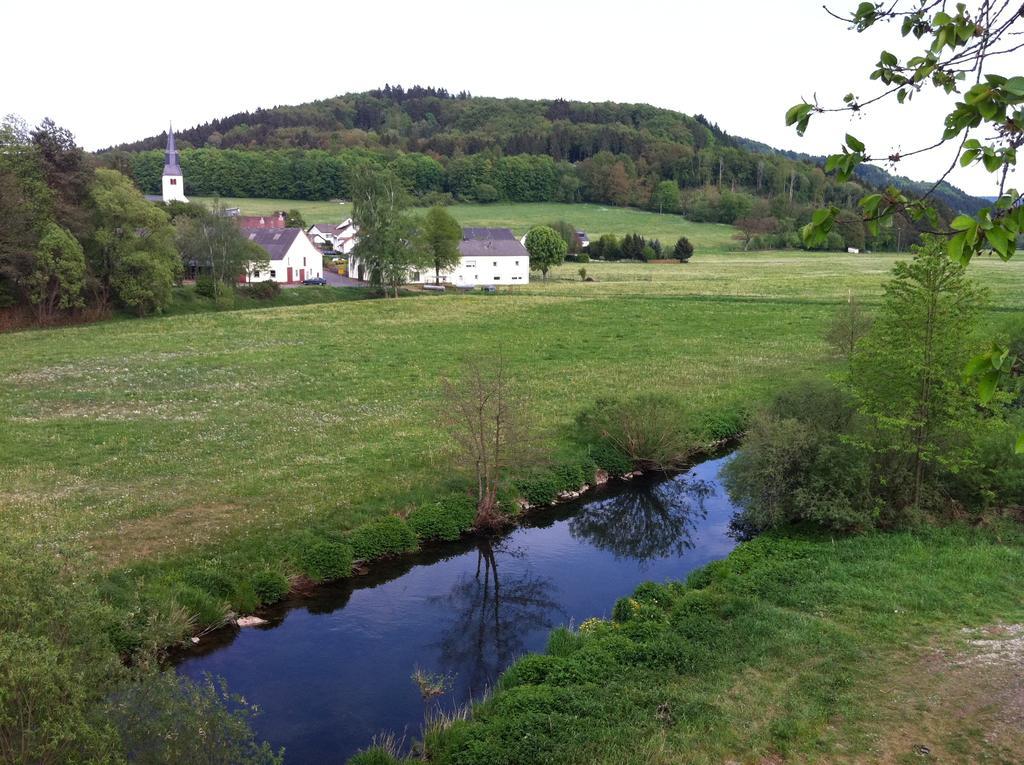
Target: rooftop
x,y
276,241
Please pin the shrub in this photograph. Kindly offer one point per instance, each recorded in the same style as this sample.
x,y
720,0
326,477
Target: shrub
x,y
321,559
570,476
269,586
683,250
652,430
447,519
211,288
794,464
374,756
538,488
209,579
379,539
610,458
261,290
724,424
207,609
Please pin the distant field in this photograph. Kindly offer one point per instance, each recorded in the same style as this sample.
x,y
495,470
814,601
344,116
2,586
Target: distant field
x,y
594,219
145,437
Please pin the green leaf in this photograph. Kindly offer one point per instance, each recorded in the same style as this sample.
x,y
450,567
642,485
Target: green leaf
x,y
1019,448
963,222
999,240
1014,85
955,249
797,113
854,144
980,363
987,385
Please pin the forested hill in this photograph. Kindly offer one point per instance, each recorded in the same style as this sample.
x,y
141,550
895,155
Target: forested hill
x,y
468,148
947,193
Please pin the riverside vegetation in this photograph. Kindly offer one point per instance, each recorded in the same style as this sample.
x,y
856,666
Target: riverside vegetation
x,y
896,445
102,422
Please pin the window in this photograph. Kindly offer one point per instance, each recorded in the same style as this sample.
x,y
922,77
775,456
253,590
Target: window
x,y
495,263
517,262
470,264
255,274
174,181
303,260
276,237
273,274
497,278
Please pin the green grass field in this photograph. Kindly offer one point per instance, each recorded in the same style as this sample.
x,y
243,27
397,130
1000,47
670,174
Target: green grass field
x,y
594,219
195,440
143,437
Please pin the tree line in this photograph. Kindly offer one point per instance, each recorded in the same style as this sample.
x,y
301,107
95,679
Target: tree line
x,y
80,241
773,214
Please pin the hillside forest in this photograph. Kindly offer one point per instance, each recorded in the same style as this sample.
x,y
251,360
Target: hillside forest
x,y
462,148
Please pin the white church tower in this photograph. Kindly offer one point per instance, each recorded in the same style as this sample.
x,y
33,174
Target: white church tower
x,y
174,181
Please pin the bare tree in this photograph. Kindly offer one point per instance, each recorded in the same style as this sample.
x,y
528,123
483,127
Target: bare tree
x,y
488,425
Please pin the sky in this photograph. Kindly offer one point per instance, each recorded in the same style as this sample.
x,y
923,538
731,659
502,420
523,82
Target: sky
x,y
118,71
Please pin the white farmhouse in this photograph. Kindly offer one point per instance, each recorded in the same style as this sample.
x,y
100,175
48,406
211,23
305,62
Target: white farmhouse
x,y
292,257
490,257
341,237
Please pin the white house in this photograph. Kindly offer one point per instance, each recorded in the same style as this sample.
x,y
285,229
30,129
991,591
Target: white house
x,y
490,257
292,257
340,237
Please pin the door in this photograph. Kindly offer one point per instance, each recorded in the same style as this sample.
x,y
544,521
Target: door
x,y
302,274
289,274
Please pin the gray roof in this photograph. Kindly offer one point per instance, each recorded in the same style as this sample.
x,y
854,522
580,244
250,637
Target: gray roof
x,y
276,241
171,166
325,227
486,248
487,233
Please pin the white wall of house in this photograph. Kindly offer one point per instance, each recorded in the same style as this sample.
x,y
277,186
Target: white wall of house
x,y
494,270
304,260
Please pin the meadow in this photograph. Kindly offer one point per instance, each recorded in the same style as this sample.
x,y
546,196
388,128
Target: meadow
x,y
194,446
593,218
192,432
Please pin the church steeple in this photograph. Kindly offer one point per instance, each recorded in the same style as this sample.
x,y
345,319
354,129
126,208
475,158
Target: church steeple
x,y
171,166
173,180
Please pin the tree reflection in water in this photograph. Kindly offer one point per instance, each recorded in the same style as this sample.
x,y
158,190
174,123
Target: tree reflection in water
x,y
646,522
493,616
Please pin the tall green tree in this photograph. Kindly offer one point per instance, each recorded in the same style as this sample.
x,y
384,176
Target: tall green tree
x,y
57,280
26,208
130,250
439,236
385,247
211,243
294,219
68,173
683,249
665,197
547,249
907,370
953,50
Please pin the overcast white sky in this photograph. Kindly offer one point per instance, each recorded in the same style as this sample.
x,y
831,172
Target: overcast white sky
x,y
117,71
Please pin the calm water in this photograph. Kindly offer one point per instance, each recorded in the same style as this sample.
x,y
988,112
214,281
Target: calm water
x,y
331,671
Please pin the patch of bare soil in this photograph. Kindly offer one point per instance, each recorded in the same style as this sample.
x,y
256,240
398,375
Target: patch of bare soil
x,y
960,704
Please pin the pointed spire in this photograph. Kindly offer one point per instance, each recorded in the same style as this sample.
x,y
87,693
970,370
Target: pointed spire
x,y
171,166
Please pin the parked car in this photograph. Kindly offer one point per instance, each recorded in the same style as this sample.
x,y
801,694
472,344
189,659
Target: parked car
x,y
315,280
